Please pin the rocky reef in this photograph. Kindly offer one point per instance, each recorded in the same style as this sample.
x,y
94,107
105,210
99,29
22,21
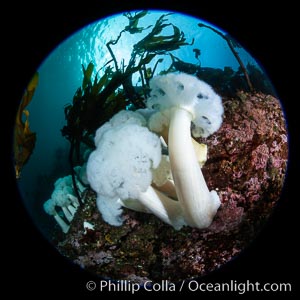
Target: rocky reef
x,y
247,160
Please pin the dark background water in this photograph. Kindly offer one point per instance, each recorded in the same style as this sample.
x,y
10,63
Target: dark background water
x,y
271,258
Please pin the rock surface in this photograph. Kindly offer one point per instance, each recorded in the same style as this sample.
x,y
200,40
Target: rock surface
x,y
247,160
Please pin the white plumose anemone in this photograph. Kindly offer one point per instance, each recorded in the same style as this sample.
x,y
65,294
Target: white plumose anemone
x,y
181,100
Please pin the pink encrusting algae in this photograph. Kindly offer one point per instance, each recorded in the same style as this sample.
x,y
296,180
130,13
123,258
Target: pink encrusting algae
x,y
246,165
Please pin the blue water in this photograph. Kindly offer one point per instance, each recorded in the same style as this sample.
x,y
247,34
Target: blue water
x,y
61,74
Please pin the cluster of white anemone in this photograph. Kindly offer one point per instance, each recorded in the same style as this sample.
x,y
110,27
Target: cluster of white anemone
x,y
148,161
63,203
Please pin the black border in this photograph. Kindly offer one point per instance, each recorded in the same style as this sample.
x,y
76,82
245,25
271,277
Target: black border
x,y
32,31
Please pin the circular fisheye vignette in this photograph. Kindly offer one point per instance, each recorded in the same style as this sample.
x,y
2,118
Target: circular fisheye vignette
x,y
167,148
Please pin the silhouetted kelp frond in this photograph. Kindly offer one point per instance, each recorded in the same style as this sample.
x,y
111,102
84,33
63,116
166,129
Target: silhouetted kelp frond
x,y
232,44
24,138
90,108
160,44
133,19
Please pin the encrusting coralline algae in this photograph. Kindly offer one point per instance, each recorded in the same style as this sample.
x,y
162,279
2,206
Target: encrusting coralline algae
x,y
249,185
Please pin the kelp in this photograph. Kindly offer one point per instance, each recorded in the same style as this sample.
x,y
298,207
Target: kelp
x,y
132,27
160,44
93,104
181,66
99,98
232,44
197,53
24,138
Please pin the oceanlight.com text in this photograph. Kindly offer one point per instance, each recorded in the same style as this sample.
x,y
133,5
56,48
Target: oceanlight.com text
x,y
239,287
191,285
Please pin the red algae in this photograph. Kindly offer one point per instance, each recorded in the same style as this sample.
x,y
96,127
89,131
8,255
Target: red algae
x,y
247,160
